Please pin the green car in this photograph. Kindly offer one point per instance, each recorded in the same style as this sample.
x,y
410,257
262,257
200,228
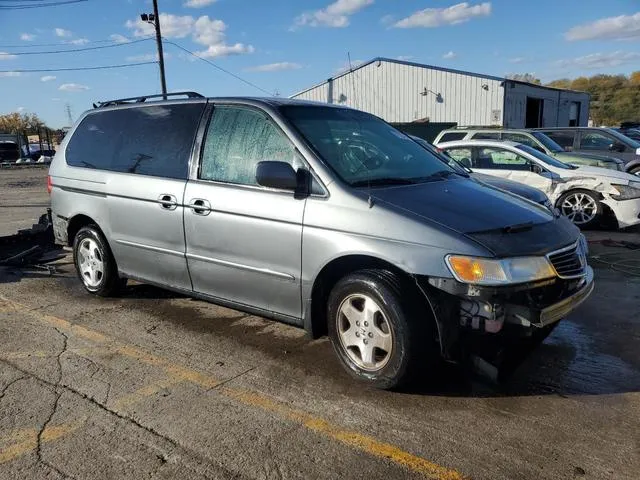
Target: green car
x,y
535,139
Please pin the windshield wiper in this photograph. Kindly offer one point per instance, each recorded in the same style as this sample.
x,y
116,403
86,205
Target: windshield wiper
x,y
380,182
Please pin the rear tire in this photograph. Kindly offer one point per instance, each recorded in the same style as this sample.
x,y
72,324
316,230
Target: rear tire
x,y
95,264
582,207
377,328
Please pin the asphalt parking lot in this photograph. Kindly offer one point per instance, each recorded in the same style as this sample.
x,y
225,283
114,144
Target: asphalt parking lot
x,y
154,385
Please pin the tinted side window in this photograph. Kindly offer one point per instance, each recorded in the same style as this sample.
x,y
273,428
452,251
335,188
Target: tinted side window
x,y
461,154
153,140
520,138
237,139
595,141
486,136
564,138
451,136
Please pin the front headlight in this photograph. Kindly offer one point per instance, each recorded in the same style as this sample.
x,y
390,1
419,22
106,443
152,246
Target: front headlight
x,y
626,192
507,271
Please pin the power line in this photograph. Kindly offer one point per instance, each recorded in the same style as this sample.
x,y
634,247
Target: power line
x,y
78,69
40,5
83,49
62,44
219,68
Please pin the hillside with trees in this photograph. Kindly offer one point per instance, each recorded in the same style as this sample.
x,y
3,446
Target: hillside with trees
x,y
614,98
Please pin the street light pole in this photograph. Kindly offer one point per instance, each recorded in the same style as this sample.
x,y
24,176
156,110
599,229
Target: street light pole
x,y
163,81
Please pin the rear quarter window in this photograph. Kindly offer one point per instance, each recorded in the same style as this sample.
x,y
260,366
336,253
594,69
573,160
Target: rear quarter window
x,y
153,140
452,136
486,136
564,138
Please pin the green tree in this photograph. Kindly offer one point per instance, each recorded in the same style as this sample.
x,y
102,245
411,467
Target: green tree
x,y
19,123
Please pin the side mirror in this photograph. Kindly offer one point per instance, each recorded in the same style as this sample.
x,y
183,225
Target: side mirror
x,y
273,174
617,147
535,168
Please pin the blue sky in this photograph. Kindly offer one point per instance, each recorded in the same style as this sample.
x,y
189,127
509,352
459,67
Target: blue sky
x,y
285,46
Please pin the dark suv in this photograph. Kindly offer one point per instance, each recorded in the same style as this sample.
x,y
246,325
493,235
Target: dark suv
x,y
598,140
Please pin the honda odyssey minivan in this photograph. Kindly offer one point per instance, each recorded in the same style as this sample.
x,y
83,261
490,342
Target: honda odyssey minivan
x,y
319,216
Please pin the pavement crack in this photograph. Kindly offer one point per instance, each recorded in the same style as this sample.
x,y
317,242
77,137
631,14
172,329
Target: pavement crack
x,y
231,378
8,385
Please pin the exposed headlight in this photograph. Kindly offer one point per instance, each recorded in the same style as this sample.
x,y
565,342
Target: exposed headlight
x,y
626,192
507,271
547,203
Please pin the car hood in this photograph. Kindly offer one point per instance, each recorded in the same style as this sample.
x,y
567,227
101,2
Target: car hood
x,y
462,205
521,189
570,155
606,174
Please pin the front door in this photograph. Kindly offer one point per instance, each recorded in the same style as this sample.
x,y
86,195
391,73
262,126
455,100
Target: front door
x,y
504,163
244,241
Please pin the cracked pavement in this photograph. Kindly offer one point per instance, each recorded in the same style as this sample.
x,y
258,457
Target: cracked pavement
x,y
157,386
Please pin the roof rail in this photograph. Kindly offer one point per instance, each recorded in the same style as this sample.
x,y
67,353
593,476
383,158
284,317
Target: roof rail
x,y
122,101
479,127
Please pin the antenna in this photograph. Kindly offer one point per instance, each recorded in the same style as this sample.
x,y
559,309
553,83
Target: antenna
x,y
67,109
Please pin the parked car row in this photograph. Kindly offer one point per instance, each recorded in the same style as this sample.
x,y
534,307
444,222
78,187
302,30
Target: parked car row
x,y
319,216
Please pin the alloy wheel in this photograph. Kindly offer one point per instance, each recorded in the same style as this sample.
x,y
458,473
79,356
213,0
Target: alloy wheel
x,y
364,332
580,208
90,262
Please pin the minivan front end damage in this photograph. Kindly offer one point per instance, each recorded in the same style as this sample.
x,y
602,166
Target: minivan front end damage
x,y
501,324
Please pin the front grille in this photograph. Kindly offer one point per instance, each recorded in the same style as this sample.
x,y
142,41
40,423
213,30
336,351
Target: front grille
x,y
569,262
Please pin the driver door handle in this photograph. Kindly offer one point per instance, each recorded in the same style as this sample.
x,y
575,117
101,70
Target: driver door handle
x,y
200,206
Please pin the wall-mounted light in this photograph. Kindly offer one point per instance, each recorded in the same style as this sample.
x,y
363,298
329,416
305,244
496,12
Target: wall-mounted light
x,y
485,87
426,92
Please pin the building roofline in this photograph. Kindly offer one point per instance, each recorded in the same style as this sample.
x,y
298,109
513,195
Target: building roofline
x,y
431,67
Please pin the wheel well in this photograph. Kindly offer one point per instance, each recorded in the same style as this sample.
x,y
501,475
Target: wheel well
x,y
316,321
75,224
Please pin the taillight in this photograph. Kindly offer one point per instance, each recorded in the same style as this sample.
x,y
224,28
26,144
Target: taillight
x,y
49,184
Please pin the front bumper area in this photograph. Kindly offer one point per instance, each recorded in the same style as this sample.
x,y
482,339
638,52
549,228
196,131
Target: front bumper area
x,y
627,212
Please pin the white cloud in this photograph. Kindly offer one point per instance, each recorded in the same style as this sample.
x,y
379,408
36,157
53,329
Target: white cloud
x,y
48,78
624,27
10,74
72,87
275,67
27,37
224,50
437,17
79,41
404,58
198,3
173,26
116,37
450,55
335,15
6,56
517,60
20,109
203,30
61,32
597,61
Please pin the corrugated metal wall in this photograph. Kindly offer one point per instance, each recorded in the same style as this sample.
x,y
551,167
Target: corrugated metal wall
x,y
555,112
393,91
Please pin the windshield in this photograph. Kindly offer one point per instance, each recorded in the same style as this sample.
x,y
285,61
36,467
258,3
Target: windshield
x,y
547,142
362,149
545,158
624,140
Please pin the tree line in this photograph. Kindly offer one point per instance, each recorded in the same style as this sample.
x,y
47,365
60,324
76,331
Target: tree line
x,y
614,98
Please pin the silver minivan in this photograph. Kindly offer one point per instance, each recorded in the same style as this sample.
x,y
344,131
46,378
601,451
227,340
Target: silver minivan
x,y
317,215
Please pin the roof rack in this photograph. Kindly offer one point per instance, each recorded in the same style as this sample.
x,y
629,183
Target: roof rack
x,y
123,101
479,127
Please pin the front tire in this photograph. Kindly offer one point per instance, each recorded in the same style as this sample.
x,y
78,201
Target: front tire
x,y
377,333
582,207
95,264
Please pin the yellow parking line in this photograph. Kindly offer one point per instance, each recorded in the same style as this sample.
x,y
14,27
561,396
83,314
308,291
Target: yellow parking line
x,y
145,392
31,442
353,439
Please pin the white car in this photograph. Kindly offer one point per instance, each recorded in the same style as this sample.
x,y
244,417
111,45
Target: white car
x,y
583,194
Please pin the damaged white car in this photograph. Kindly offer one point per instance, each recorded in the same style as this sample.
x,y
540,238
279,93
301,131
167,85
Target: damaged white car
x,y
584,194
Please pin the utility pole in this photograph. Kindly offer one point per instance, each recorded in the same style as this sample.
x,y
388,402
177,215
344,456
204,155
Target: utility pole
x,y
154,19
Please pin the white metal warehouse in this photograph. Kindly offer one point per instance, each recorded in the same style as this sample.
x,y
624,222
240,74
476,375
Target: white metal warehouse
x,y
404,92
